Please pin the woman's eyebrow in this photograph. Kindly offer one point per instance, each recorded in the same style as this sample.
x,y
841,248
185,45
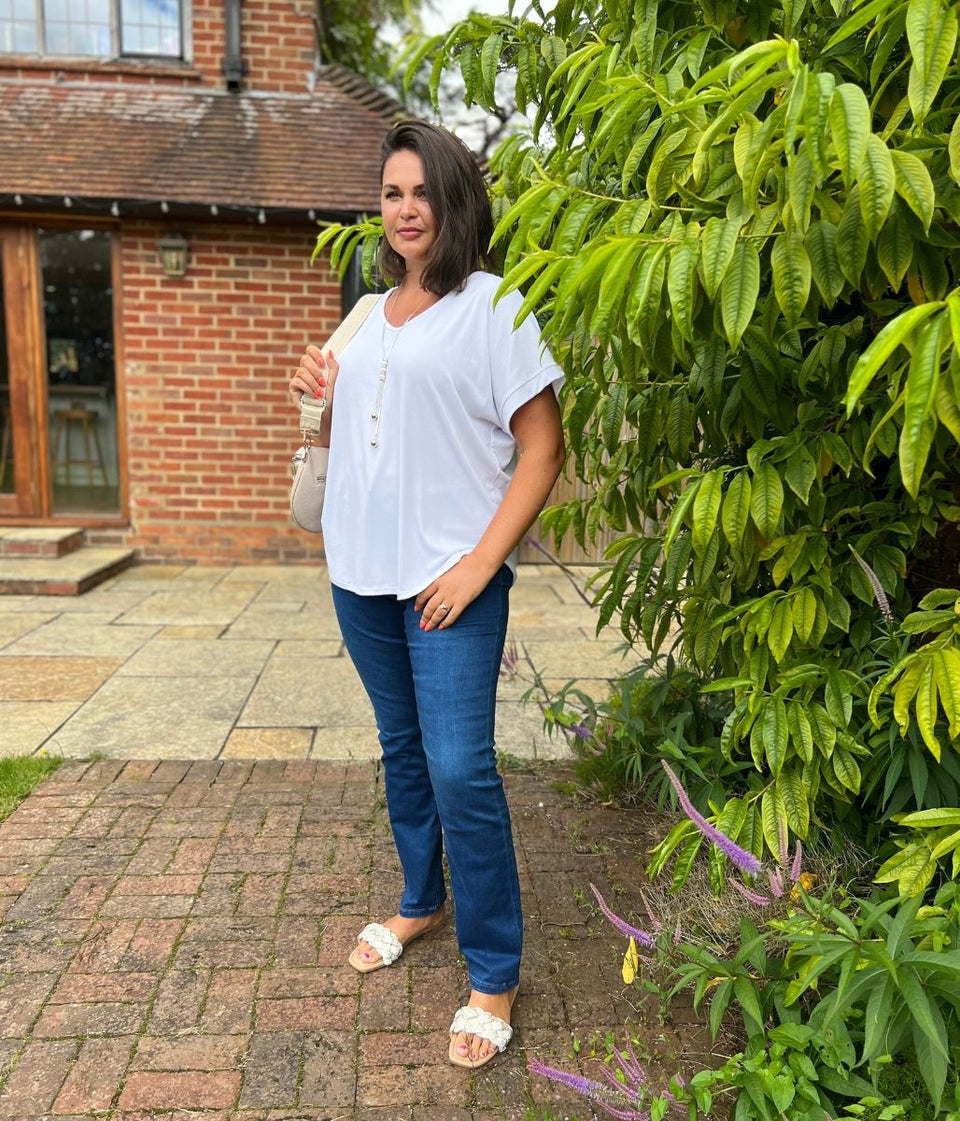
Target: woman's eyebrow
x,y
395,187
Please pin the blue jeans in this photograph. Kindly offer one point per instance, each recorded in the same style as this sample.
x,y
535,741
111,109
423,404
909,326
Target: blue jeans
x,y
434,696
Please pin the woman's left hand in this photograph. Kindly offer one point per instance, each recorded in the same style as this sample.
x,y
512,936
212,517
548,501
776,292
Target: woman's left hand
x,y
443,601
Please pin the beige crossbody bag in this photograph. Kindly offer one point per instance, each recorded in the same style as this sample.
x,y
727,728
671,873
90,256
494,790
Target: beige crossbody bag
x,y
309,463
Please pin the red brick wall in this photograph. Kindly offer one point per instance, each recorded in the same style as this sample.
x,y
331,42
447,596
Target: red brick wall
x,y
206,360
278,42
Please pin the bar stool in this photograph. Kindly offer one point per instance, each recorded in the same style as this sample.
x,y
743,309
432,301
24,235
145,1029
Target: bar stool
x,y
65,421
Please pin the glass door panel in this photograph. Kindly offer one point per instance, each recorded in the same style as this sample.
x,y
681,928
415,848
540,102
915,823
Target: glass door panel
x,y
77,286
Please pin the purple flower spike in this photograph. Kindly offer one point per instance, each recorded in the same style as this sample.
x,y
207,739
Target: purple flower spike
x,y
581,731
776,883
641,937
744,860
753,896
655,924
596,1091
797,862
585,1086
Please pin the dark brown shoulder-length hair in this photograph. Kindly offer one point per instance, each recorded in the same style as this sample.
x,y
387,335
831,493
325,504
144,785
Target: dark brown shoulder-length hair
x,y
461,207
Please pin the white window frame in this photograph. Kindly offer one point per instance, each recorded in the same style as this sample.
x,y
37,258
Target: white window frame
x,y
186,44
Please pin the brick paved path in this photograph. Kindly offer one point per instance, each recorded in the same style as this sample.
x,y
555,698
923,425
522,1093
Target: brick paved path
x,y
173,940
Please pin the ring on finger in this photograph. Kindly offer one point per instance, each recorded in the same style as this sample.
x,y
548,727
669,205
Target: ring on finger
x,y
443,607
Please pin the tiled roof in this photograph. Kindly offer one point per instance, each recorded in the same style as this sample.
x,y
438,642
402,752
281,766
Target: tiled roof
x,y
148,143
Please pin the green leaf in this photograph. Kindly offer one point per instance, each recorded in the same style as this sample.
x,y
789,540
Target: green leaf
x,y
800,731
613,413
914,185
677,518
791,274
739,291
736,508
838,699
895,249
876,1021
804,614
954,150
931,1061
852,239
772,814
824,730
780,632
923,1010
852,24
846,769
849,118
706,509
718,244
766,500
877,183
919,426
896,332
819,94
490,54
801,185
801,473
926,709
946,669
821,243
795,802
932,35
681,280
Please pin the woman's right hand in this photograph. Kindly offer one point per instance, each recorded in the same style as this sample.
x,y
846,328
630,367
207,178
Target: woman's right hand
x,y
315,375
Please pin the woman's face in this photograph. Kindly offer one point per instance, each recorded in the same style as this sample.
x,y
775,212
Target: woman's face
x,y
408,220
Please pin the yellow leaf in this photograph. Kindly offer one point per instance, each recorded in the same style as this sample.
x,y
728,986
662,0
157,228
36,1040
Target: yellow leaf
x,y
631,963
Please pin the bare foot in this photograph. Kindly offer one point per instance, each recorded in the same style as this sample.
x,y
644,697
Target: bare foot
x,y
474,1047
405,929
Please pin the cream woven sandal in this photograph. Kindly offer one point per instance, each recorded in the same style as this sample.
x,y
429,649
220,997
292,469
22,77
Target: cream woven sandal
x,y
479,1022
382,939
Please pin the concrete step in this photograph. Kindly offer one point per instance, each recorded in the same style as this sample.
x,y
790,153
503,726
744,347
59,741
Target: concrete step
x,y
36,542
69,575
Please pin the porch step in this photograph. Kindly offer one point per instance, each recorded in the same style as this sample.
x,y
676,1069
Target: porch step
x,y
69,575
35,542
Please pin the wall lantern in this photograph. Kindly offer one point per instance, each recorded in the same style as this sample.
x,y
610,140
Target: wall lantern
x,y
173,252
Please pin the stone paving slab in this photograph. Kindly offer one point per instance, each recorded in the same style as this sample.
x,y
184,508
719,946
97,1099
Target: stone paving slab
x,y
158,717
68,637
26,725
138,658
173,939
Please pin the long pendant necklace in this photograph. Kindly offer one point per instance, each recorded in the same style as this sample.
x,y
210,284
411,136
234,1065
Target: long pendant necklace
x,y
385,353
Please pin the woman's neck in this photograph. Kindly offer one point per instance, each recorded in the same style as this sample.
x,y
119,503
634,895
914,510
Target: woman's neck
x,y
412,279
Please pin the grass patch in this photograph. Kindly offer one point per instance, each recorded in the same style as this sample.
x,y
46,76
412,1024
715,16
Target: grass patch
x,y
19,775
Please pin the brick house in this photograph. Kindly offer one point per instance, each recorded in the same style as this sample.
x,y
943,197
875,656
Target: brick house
x,y
138,138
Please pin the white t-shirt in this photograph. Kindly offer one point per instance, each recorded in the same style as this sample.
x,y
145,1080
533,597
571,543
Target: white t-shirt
x,y
398,514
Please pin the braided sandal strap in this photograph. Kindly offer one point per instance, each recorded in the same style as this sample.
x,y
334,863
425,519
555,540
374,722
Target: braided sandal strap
x,y
477,1021
383,940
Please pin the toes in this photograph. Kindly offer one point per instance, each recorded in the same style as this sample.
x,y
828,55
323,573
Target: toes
x,y
367,952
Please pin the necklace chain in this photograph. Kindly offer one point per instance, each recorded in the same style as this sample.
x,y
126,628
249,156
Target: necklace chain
x,y
385,352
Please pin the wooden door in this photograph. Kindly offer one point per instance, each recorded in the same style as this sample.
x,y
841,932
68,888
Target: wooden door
x,y
23,440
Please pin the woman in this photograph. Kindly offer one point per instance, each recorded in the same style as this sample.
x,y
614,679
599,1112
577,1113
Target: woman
x,y
445,442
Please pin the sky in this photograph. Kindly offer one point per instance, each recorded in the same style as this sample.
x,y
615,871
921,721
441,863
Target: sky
x,y
447,12
438,16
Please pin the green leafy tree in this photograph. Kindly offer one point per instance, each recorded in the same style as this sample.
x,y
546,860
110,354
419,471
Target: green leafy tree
x,y
737,224
351,33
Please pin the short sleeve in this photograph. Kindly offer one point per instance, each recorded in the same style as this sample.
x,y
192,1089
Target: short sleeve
x,y
520,365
